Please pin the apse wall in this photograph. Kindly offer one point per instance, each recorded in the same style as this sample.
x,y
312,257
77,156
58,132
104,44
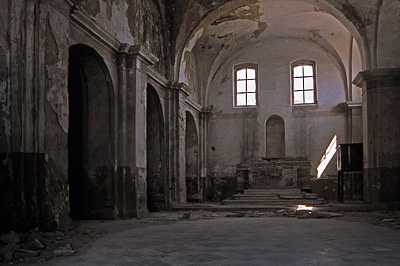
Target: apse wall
x,y
238,134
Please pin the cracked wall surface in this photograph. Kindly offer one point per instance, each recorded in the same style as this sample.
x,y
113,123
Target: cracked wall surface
x,y
195,44
135,22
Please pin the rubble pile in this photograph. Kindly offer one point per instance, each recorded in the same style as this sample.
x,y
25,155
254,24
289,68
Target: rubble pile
x,y
37,246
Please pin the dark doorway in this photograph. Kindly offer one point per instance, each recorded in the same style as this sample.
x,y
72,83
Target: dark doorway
x,y
89,135
156,193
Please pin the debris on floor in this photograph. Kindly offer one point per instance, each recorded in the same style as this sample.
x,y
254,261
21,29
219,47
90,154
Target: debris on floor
x,y
36,246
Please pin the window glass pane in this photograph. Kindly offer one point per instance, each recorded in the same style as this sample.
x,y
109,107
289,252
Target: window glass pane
x,y
241,74
298,71
241,86
251,99
298,97
298,84
251,86
308,83
308,71
251,73
309,97
241,99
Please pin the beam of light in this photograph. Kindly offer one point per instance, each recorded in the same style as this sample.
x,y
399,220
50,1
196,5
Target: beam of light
x,y
327,157
304,208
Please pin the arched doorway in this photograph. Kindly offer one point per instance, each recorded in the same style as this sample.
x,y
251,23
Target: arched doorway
x,y
156,194
275,137
193,193
89,135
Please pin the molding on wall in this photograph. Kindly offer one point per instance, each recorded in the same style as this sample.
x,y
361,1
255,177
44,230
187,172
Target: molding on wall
x,y
157,77
192,103
182,87
87,24
350,105
144,54
378,78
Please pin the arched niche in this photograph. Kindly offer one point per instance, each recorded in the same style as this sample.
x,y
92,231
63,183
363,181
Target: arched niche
x,y
90,149
193,193
275,137
155,146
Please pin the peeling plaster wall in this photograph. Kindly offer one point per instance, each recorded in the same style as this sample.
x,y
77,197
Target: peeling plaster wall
x,y
135,22
34,126
54,33
387,39
238,134
5,120
34,42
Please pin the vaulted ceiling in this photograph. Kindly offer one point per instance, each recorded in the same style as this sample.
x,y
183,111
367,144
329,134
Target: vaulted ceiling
x,y
225,28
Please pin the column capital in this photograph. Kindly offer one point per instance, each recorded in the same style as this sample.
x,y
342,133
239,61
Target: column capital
x,y
181,87
134,52
143,54
378,78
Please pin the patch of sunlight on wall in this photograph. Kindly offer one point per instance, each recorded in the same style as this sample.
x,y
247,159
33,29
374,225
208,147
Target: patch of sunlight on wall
x,y
327,157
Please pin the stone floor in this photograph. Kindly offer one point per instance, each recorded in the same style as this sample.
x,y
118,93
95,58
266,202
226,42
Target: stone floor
x,y
250,238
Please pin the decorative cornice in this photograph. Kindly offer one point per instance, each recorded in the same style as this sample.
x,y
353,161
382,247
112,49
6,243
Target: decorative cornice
x,y
350,105
378,78
184,89
192,103
207,110
181,87
89,25
157,77
144,54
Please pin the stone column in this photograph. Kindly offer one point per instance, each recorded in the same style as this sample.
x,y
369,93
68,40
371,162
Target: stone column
x,y
381,127
176,127
133,63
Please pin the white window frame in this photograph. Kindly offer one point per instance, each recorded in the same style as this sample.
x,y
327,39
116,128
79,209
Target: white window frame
x,y
246,93
303,77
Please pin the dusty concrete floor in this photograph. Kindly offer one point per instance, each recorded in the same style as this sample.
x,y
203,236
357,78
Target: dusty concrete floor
x,y
59,247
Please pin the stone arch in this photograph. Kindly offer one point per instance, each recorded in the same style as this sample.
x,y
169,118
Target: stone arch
x,y
275,137
155,146
90,137
189,36
193,193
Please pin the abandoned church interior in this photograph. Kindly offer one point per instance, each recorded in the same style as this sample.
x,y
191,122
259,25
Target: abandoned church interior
x,y
111,109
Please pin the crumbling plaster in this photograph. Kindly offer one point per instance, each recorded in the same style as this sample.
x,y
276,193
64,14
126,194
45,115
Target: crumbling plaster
x,y
363,20
227,27
197,42
308,129
134,22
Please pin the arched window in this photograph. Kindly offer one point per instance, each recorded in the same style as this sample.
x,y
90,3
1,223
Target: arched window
x,y
304,89
246,85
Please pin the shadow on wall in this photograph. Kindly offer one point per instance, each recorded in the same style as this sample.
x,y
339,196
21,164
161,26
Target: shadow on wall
x,y
90,171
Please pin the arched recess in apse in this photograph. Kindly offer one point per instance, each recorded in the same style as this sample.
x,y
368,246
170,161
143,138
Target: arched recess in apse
x,y
156,181
90,149
193,193
275,137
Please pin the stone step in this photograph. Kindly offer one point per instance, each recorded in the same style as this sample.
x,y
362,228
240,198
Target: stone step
x,y
254,197
273,192
281,202
274,196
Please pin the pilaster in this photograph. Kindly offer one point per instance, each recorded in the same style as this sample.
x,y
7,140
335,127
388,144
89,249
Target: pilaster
x,y
177,127
205,182
381,124
132,73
